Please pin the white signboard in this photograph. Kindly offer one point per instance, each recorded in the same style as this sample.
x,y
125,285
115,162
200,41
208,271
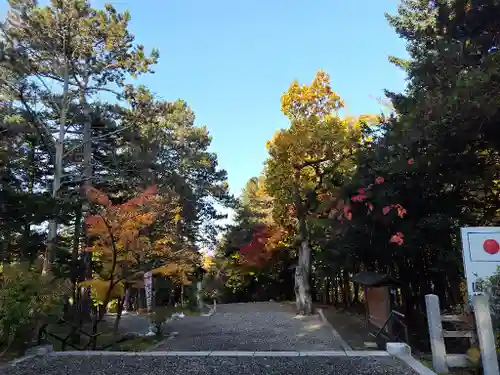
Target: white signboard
x,y
127,300
481,253
148,288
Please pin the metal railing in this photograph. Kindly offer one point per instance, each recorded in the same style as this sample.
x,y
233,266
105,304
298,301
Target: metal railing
x,y
388,328
67,340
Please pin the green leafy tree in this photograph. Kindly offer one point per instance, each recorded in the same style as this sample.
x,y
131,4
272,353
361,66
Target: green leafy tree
x,y
318,143
67,52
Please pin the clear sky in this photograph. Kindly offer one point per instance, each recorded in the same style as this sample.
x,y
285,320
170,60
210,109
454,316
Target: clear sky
x,y
232,60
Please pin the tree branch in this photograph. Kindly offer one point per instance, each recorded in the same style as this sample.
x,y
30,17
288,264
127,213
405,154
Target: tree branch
x,y
309,163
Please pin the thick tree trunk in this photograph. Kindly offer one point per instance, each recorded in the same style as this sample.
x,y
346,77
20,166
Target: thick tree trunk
x,y
303,297
302,288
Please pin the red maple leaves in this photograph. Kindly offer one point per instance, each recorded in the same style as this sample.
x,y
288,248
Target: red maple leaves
x,y
398,238
258,251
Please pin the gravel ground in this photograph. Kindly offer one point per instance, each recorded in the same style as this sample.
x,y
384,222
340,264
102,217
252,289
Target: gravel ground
x,y
264,326
135,365
235,327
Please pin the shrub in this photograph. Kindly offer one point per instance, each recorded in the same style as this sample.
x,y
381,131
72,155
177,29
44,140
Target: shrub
x,y
113,306
158,317
491,287
27,300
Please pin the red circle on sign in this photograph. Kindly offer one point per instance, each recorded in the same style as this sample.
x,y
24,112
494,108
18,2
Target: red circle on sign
x,y
491,247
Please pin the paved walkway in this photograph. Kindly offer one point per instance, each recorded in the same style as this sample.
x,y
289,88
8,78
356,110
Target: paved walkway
x,y
276,341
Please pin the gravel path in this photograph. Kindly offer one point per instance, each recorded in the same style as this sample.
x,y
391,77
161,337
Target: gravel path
x,y
263,326
157,365
236,327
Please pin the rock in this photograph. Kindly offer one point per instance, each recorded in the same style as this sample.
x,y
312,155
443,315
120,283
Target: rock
x,y
39,350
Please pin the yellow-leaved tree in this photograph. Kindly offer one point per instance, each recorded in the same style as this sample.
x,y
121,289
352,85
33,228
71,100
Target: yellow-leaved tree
x,y
311,156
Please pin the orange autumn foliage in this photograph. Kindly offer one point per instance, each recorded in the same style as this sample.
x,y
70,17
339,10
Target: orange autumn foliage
x,y
259,250
116,234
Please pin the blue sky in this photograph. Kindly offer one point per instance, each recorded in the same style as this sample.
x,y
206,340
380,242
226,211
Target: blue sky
x,y
232,60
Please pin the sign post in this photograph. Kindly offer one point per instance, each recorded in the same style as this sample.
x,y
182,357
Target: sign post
x,y
148,289
126,301
481,255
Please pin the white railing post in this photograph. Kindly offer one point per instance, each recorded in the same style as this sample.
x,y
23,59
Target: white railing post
x,y
485,334
436,333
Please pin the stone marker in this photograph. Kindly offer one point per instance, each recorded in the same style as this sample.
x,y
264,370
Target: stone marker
x,y
485,335
436,333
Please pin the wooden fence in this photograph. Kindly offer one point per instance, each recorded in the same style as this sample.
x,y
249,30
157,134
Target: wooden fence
x,y
482,334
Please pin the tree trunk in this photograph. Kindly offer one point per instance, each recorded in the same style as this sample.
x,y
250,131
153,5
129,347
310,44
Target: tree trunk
x,y
75,277
87,167
86,183
336,290
355,299
345,288
119,310
58,171
326,291
303,298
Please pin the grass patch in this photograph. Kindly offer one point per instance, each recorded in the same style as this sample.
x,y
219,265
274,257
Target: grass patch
x,y
8,356
105,331
136,344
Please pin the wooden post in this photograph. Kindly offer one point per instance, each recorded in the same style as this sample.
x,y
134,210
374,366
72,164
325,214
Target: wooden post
x,y
485,335
367,306
436,333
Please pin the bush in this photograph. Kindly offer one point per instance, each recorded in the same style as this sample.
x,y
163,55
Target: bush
x,y
491,287
27,300
158,317
113,306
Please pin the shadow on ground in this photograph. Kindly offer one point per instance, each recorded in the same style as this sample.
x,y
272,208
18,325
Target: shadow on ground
x,y
352,327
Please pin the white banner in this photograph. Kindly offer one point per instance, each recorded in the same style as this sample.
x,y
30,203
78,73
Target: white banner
x,y
126,302
148,288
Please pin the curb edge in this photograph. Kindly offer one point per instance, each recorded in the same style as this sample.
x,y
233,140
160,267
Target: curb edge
x,y
345,346
402,352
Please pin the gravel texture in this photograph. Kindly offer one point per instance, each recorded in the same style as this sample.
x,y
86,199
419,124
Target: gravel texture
x,y
157,365
236,327
263,326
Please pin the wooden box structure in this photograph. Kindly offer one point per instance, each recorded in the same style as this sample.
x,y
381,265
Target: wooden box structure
x,y
379,300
